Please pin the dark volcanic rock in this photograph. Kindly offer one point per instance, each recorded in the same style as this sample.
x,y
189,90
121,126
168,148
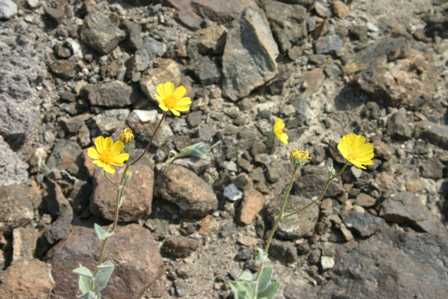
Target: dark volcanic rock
x,y
436,134
399,126
391,265
179,247
251,41
311,182
100,33
364,224
132,249
109,94
329,44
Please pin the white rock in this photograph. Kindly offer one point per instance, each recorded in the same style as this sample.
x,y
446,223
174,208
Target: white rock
x,y
327,262
33,3
8,9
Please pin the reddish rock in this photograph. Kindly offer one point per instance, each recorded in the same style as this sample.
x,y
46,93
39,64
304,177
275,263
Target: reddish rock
x,y
27,279
24,242
138,193
253,203
182,187
340,9
179,247
132,249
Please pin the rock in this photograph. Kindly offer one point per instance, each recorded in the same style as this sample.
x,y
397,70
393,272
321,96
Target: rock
x,y
391,71
432,169
340,9
100,33
8,9
284,252
33,3
206,70
298,225
17,204
436,134
232,193
294,291
108,121
66,155
406,208
310,183
399,126
288,23
12,169
182,187
110,94
250,40
144,56
253,203
144,122
329,44
24,243
128,245
134,30
326,262
209,40
27,279
179,247
166,70
364,224
64,69
390,265
365,200
138,194
56,10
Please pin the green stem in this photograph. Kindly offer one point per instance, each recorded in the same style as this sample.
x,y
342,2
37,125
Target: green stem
x,y
322,193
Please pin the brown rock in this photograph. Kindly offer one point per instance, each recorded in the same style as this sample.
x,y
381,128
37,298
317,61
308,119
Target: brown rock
x,y
179,247
167,70
211,39
24,243
182,187
132,249
26,279
253,203
17,204
138,193
340,9
365,200
64,69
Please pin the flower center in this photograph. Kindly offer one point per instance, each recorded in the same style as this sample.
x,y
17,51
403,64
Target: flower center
x,y
170,101
105,156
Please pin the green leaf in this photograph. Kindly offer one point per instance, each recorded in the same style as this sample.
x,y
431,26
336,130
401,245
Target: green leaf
x,y
264,280
270,292
101,233
261,256
81,270
90,295
103,274
247,276
85,284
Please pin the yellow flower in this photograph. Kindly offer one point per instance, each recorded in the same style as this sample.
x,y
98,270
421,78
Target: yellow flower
x,y
356,150
172,99
300,156
108,154
280,131
126,136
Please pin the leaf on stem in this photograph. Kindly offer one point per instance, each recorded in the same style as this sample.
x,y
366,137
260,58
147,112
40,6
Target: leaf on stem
x,y
101,233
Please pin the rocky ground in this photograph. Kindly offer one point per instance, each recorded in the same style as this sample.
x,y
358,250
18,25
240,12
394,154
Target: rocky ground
x,y
72,70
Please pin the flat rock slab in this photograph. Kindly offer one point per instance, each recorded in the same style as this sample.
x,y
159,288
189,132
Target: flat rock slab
x,y
391,265
132,249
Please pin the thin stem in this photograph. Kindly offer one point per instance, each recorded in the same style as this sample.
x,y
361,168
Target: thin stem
x,y
322,193
153,135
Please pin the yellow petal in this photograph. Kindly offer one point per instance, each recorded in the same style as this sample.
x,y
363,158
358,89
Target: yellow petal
x,y
175,112
169,88
120,159
106,167
99,144
180,92
117,147
93,153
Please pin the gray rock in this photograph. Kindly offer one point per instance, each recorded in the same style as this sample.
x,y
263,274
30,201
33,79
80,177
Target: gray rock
x,y
144,122
17,204
66,155
8,9
56,10
111,120
300,224
12,169
310,183
64,69
33,3
182,187
436,134
399,126
406,208
284,252
128,245
134,30
232,193
207,70
364,224
109,94
390,265
251,41
100,33
329,44
432,169
288,23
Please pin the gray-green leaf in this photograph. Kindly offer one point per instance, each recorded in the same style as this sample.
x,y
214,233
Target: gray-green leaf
x,y
264,280
81,270
103,274
101,233
270,292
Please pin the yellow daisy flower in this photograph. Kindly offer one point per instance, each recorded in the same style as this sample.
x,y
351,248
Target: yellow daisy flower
x,y
280,131
108,154
172,99
300,156
126,136
356,150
